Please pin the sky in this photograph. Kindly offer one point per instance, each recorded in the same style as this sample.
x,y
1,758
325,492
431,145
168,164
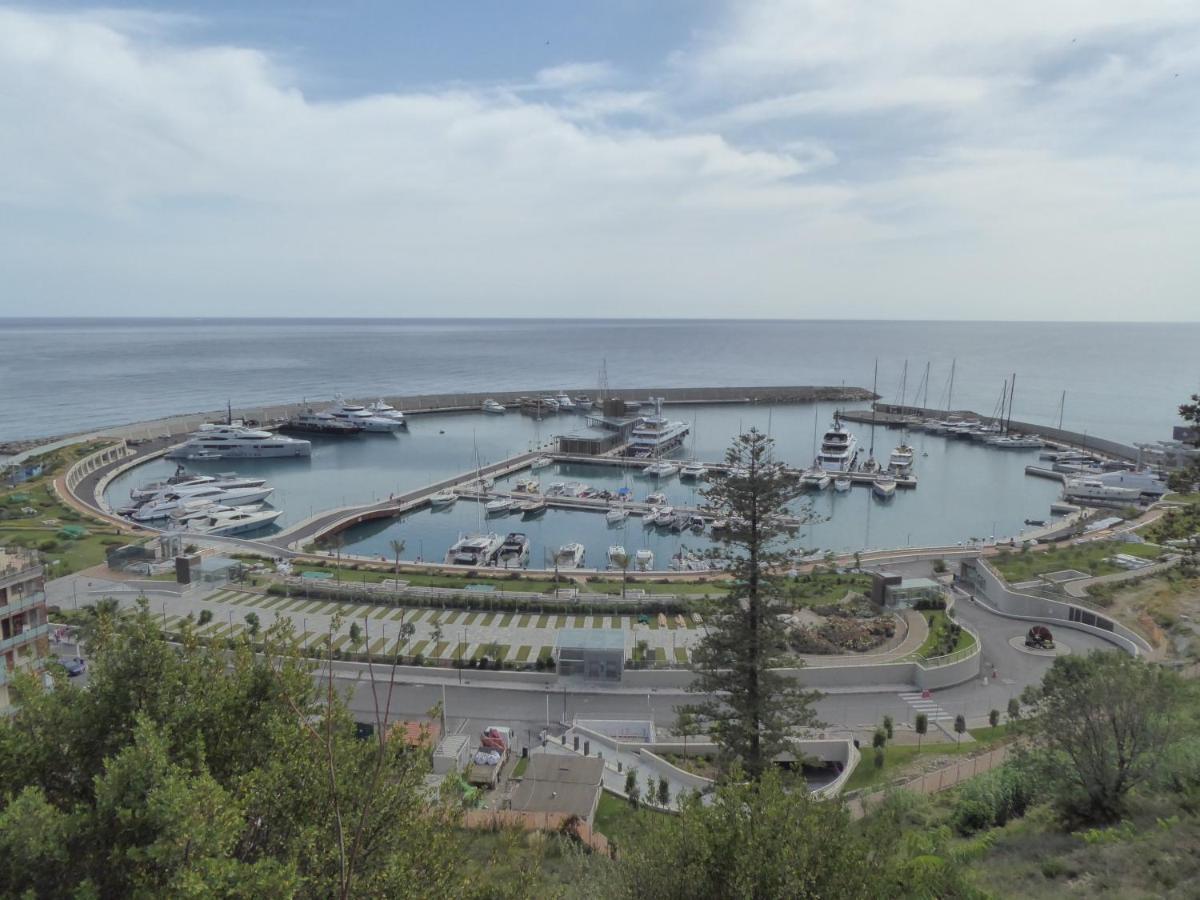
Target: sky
x,y
602,158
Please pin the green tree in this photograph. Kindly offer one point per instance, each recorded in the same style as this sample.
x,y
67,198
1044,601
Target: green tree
x,y
960,726
757,839
632,789
252,623
880,756
621,561
921,727
1014,709
879,738
889,726
188,770
355,634
664,792
752,708
686,725
206,616
1102,723
994,717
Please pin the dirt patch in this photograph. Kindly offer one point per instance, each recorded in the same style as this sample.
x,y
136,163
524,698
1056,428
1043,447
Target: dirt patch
x,y
1164,609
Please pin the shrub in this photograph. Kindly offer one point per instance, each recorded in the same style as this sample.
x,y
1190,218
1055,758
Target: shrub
x,y
993,799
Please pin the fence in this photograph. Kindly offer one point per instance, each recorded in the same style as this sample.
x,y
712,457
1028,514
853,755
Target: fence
x,y
941,779
496,819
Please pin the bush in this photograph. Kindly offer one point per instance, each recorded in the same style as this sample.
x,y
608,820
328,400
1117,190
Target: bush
x,y
48,546
992,799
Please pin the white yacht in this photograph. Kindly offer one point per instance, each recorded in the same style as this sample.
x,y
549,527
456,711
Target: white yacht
x,y
541,462
513,553
1016,442
884,487
901,459
693,470
816,480
838,448
644,560
616,515
665,516
236,441
1093,489
527,486
842,483
570,556
1144,481
168,502
565,403
498,507
660,469
549,404
657,499
491,406
473,549
443,498
358,415
384,410
224,520
617,558
225,481
654,435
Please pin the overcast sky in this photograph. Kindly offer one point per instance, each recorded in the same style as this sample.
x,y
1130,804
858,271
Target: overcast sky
x,y
1019,160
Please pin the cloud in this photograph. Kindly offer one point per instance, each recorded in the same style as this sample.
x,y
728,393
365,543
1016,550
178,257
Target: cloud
x,y
574,75
799,159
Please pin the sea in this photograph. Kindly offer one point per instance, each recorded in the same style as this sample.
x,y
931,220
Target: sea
x,y
1122,382
59,376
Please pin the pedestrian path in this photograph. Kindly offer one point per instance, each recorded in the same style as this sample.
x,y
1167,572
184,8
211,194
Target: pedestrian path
x,y
919,702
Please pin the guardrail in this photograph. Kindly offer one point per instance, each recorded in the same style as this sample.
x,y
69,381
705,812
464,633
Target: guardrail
x,y
88,464
24,637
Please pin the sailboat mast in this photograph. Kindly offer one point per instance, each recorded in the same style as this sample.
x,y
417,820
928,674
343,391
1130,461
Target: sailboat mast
x,y
1062,405
903,385
950,391
874,390
1011,392
925,402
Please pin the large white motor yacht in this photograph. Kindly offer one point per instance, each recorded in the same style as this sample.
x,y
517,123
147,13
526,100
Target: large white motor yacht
x,y
358,415
565,403
838,448
1094,490
224,520
655,435
168,502
236,441
223,480
491,406
381,409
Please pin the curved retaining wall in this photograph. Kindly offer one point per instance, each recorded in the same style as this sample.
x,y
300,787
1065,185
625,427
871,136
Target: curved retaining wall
x,y
1004,601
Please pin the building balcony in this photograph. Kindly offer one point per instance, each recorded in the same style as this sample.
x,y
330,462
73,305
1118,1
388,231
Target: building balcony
x,y
37,598
25,637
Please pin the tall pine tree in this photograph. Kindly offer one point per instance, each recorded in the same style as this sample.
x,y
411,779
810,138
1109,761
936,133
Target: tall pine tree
x,y
752,708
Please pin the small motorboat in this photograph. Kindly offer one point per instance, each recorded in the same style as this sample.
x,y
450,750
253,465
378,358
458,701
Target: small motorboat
x,y
443,498
841,484
617,557
884,487
491,406
693,471
657,499
644,560
498,507
527,486
570,556
617,515
660,469
531,508
1036,523
541,462
665,516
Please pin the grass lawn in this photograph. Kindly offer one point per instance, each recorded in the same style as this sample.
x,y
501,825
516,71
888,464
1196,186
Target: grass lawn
x,y
580,622
547,652
66,556
418,579
1176,524
680,589
470,619
460,651
616,819
1088,557
440,650
506,619
523,653
938,623
823,588
543,620
523,621
681,656
560,621
522,765
597,621
900,756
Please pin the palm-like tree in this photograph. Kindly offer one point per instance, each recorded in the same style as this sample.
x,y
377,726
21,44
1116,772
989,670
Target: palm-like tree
x,y
397,548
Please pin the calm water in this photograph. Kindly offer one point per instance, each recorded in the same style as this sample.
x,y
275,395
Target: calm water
x,y
1123,381
964,490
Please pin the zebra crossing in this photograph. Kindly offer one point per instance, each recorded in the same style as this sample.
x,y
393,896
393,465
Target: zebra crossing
x,y
932,709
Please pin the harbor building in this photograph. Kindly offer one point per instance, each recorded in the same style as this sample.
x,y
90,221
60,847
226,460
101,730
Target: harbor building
x,y
594,653
23,624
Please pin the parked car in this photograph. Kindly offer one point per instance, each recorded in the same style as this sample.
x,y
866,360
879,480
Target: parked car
x,y
74,666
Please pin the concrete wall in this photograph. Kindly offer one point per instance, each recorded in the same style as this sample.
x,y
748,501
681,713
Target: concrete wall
x,y
1000,598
